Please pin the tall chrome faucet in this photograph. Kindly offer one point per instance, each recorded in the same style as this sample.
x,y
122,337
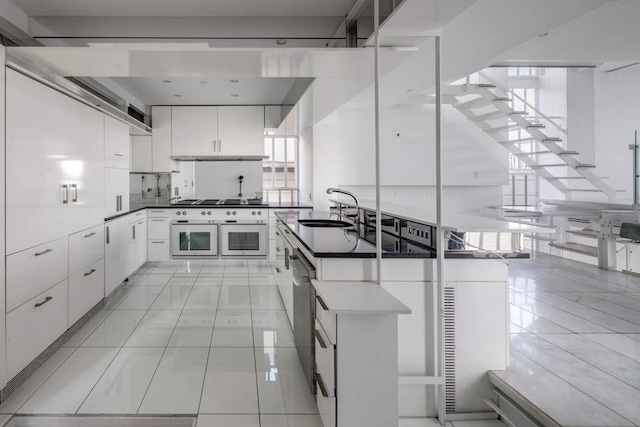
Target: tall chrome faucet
x,y
356,219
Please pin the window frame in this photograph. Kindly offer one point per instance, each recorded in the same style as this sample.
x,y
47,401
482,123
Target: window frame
x,y
293,190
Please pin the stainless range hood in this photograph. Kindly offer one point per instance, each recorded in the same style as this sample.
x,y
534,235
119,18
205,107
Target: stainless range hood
x,y
220,158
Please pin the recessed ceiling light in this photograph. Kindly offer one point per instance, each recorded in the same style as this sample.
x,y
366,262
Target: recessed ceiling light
x,y
203,82
177,95
233,81
166,81
234,95
281,42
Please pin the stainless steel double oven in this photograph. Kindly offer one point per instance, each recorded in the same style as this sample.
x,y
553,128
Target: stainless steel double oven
x,y
211,239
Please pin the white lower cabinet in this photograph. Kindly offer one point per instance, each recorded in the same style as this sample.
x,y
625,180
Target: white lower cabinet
x,y
118,253
35,270
33,326
139,243
356,352
86,289
85,248
158,235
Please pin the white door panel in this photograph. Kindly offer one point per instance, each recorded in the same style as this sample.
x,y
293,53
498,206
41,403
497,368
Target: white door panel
x,y
194,131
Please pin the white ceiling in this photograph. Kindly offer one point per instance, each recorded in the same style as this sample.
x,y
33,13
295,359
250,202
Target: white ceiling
x,y
216,91
185,7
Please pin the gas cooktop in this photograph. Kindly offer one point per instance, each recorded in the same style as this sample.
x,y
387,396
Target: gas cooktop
x,y
224,202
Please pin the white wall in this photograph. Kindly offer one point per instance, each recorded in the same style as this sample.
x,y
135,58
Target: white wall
x,y
343,155
219,180
617,116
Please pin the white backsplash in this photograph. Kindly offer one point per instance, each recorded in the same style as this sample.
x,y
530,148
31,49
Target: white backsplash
x,y
219,180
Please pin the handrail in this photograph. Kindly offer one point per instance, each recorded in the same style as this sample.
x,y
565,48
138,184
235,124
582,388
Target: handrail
x,y
512,92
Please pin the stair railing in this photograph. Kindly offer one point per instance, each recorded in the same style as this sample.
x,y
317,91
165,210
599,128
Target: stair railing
x,y
538,113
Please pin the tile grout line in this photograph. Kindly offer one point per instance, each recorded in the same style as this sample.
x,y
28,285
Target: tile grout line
x,y
206,368
570,385
167,344
123,344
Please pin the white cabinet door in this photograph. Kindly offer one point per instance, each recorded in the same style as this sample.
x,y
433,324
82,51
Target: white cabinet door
x,y
162,139
194,131
116,191
37,150
84,169
33,326
85,248
158,250
140,243
86,289
241,131
118,253
116,143
141,154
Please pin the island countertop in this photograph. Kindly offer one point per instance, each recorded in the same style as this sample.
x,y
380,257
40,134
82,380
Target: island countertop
x,y
323,242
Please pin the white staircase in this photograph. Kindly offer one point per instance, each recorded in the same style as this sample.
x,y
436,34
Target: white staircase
x,y
550,160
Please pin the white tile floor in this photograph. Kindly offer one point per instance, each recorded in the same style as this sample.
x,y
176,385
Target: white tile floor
x,y
192,338
574,341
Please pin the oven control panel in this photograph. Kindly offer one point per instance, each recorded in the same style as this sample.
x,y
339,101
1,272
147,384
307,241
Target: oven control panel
x,y
233,213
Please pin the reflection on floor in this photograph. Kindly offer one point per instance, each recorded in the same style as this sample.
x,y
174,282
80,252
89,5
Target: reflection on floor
x,y
575,341
189,338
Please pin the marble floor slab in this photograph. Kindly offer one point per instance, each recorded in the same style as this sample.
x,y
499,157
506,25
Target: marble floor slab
x,y
575,346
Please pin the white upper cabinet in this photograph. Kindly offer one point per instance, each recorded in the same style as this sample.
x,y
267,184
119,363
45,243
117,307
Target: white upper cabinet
x,y
217,131
141,154
194,131
241,131
116,143
161,141
116,195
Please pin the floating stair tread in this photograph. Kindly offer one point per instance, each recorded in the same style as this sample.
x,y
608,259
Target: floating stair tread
x,y
519,113
577,248
585,166
536,126
569,153
585,233
556,178
517,140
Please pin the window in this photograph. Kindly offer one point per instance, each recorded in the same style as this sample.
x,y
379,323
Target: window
x,y
280,169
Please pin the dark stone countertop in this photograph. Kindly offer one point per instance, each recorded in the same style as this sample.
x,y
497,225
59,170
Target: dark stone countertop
x,y
325,242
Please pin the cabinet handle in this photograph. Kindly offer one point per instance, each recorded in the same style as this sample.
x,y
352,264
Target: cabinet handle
x,y
40,304
157,220
108,240
89,235
157,242
286,231
157,211
118,155
134,232
219,146
215,146
65,199
46,251
93,270
75,193
286,258
277,249
322,303
278,270
277,234
323,388
319,338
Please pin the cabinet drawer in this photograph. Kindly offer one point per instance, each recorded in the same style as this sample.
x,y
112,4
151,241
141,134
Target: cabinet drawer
x,y
326,406
326,319
86,289
158,228
35,270
33,326
158,250
137,216
85,248
157,213
325,360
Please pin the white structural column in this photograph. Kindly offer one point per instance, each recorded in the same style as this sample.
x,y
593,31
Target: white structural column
x,y
3,349
376,31
440,242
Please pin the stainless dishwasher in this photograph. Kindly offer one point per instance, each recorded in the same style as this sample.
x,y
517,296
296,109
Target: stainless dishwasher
x,y
304,313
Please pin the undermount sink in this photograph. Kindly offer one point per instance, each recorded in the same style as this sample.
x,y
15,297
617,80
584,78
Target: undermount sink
x,y
327,223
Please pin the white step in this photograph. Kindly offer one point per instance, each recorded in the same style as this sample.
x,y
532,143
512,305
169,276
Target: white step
x,y
577,248
489,116
531,139
501,128
585,233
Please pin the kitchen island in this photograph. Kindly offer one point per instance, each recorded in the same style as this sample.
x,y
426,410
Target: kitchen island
x,y
476,301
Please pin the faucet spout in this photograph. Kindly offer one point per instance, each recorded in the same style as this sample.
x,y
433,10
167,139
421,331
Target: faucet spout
x,y
331,190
